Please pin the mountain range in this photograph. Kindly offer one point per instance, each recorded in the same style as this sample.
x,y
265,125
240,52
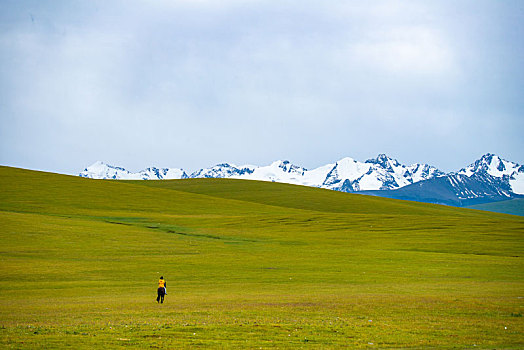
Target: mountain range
x,y
488,179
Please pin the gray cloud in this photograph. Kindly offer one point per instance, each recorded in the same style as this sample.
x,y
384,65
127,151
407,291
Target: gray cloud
x,y
193,83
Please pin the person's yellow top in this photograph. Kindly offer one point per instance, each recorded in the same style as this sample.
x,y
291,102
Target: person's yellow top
x,y
161,283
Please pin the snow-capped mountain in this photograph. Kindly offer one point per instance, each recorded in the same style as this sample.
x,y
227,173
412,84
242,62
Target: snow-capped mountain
x,y
279,171
346,175
490,164
223,170
381,173
488,179
100,170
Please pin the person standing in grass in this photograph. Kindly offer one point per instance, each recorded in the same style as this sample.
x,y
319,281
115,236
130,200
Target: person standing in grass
x,y
162,288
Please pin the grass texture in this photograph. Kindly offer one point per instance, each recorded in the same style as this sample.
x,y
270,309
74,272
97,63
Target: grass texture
x,y
250,265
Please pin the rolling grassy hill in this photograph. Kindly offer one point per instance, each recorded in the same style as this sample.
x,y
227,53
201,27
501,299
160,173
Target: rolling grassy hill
x,y
250,264
514,207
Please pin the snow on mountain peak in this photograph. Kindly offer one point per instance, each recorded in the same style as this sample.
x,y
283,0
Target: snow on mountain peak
x,y
492,165
347,174
100,170
222,170
288,167
378,173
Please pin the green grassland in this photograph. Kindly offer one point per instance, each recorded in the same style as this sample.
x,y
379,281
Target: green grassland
x,y
250,265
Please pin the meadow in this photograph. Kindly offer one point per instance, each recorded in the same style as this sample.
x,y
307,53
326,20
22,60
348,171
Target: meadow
x,y
250,265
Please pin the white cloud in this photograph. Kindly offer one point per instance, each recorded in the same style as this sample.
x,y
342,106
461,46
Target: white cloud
x,y
408,50
184,83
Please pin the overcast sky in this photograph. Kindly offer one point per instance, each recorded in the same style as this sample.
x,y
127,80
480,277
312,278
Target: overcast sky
x,y
193,83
